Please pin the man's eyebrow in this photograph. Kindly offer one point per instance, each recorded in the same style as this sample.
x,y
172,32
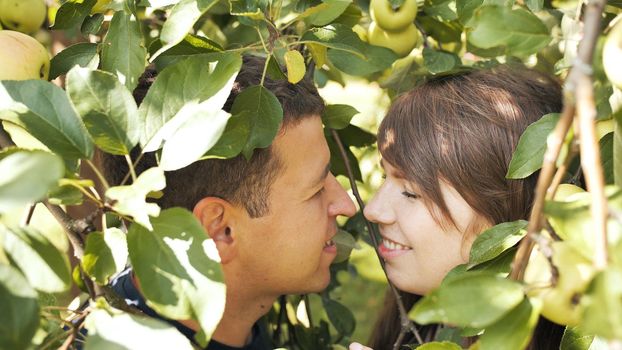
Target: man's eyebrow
x,y
321,178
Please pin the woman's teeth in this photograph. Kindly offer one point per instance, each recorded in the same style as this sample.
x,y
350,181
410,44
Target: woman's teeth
x,y
329,243
394,245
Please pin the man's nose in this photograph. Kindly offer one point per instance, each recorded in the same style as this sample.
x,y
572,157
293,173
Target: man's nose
x,y
341,203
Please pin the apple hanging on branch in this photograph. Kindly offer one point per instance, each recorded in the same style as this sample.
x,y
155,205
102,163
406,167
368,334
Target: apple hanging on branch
x,y
22,57
24,16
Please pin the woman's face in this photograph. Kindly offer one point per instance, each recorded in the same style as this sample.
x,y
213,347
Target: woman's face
x,y
417,250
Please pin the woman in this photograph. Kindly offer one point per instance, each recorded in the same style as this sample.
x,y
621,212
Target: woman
x,y
446,146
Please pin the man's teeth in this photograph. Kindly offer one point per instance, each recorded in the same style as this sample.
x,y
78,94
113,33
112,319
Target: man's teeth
x,y
394,245
329,243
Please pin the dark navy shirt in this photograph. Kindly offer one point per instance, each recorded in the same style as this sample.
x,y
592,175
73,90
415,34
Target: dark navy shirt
x,y
125,288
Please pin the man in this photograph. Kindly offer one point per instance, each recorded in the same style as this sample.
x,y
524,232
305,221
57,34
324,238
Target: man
x,y
272,217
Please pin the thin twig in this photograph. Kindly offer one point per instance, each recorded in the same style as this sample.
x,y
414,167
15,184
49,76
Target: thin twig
x,y
405,321
28,215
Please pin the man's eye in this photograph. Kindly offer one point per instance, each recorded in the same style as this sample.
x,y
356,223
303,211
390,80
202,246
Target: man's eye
x,y
410,195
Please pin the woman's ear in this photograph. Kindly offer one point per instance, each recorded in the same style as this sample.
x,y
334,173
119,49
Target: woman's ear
x,y
215,215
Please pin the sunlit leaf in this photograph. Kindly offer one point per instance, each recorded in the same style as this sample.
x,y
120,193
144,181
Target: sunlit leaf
x,y
130,200
44,110
192,80
514,330
20,310
494,241
180,21
44,266
174,266
529,153
295,66
107,108
82,54
603,306
472,299
123,51
518,31
116,330
71,13
105,254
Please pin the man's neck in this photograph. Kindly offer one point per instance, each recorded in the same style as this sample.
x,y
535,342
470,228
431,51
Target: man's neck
x,y
241,313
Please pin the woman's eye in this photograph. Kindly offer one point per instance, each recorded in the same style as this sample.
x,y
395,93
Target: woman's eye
x,y
319,192
410,195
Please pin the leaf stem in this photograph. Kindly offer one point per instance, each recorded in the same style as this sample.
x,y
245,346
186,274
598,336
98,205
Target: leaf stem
x,y
407,324
131,167
98,173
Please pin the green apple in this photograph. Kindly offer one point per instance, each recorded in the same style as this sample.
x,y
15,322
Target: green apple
x,y
25,16
400,42
382,13
565,191
612,55
561,302
22,57
100,6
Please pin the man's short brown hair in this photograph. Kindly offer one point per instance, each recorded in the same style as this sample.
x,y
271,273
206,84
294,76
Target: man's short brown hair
x,y
237,180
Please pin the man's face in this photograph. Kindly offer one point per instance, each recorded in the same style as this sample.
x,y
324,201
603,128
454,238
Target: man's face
x,y
288,250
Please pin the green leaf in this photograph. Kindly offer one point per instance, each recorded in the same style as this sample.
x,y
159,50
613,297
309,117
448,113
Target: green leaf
x,y
501,265
497,239
607,157
443,10
440,61
265,113
514,330
340,316
472,299
19,318
190,45
175,267
435,345
518,31
336,36
123,52
81,54
26,177
375,59
71,13
115,330
233,139
529,153
617,151
107,108
44,110
345,243
92,24
338,116
203,125
326,12
130,200
191,80
575,339
535,5
183,16
603,307
295,66
45,267
105,254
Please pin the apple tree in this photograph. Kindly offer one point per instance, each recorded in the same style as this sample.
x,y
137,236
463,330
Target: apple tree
x,y
564,263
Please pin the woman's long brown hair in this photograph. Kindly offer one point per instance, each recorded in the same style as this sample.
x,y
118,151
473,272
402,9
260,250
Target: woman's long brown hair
x,y
463,129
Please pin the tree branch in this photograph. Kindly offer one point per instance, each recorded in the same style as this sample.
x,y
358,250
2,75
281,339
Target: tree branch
x,y
578,99
407,324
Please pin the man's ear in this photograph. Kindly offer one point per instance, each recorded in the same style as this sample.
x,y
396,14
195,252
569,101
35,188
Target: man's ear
x,y
216,217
